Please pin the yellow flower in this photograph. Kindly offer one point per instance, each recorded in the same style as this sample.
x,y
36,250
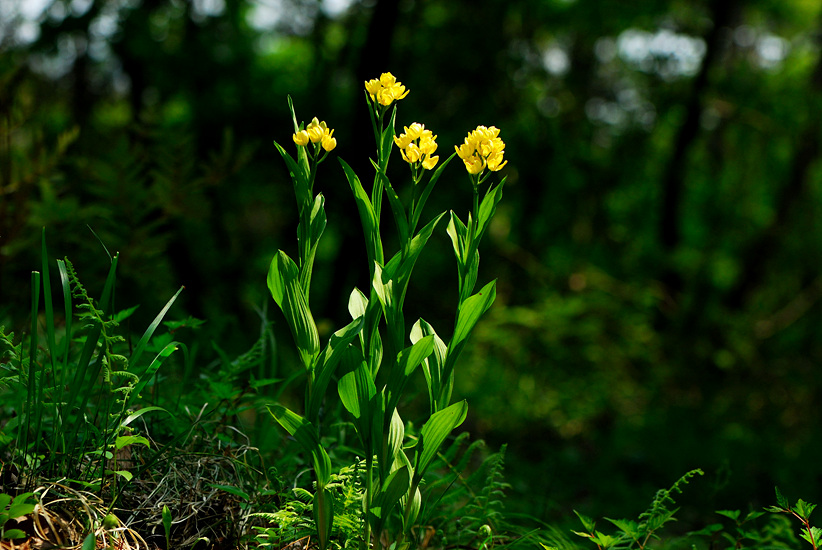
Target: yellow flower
x,y
329,142
418,145
301,138
318,133
386,89
411,154
317,130
482,149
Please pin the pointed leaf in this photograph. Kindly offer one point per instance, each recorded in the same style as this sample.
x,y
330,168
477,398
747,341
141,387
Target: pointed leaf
x,y
468,315
315,231
357,391
327,362
433,364
587,522
434,432
134,416
420,201
731,514
357,303
368,218
395,486
400,217
407,361
141,345
459,237
323,515
299,176
283,282
152,368
629,527
396,434
126,440
399,268
781,500
487,208
306,435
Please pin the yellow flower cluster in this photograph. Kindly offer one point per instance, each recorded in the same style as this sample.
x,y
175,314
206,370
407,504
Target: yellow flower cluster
x,y
482,149
386,89
316,132
418,145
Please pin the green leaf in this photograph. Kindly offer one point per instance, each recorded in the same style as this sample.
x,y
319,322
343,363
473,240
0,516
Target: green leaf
x,y
400,217
781,500
356,388
167,522
283,283
89,543
434,432
396,434
357,303
306,435
141,345
392,490
400,267
230,489
603,540
323,515
152,368
126,440
420,201
327,362
629,527
407,360
368,218
125,474
134,416
459,237
468,315
317,223
299,176
732,514
587,522
804,509
434,364
466,253
812,536
14,534
660,519
414,512
487,209
19,506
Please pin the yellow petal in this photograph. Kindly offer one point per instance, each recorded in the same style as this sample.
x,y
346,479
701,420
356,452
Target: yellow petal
x,y
329,143
301,138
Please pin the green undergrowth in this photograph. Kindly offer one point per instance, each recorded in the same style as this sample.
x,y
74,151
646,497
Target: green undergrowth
x,y
114,430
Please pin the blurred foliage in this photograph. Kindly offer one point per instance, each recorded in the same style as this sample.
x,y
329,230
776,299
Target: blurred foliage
x,y
658,245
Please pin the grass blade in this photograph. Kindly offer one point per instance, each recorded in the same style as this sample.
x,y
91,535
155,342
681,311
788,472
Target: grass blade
x,y
141,345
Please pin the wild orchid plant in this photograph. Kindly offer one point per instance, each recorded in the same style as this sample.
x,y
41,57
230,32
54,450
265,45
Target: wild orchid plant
x,y
370,354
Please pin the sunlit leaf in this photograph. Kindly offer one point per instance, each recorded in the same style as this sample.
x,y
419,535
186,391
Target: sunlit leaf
x,y
434,432
283,283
